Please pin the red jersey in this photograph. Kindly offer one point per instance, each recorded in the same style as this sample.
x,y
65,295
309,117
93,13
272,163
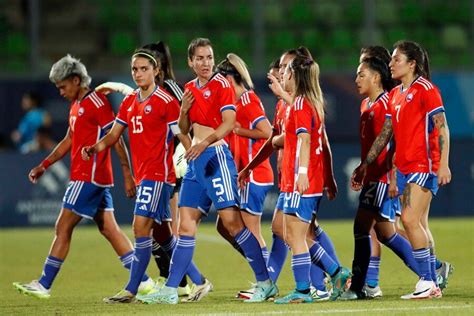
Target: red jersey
x,y
89,120
411,111
372,118
250,112
152,125
302,118
210,100
279,126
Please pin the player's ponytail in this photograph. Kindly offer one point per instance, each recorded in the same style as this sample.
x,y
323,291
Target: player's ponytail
x,y
165,57
234,66
306,72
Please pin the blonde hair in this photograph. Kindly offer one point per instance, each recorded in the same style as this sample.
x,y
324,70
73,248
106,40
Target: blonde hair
x,y
234,65
306,72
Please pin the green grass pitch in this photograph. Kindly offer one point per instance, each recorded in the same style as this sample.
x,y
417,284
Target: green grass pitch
x,y
92,271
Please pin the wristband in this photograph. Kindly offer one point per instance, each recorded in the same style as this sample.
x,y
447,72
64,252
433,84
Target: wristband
x,y
303,170
46,163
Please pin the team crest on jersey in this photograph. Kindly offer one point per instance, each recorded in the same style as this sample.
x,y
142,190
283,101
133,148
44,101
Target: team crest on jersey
x,y
147,109
409,97
80,111
207,94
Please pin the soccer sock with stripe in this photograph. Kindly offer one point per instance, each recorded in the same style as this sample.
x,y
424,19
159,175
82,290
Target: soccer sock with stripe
x,y
265,254
360,264
277,257
326,243
372,278
301,265
181,259
162,259
51,267
433,266
253,253
402,248
193,272
422,257
321,258
127,260
140,262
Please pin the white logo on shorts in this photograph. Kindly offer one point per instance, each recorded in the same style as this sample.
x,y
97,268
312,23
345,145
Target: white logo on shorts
x,y
143,207
220,200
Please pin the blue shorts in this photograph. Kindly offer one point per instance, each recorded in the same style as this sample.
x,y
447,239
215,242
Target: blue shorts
x,y
426,180
85,199
211,178
374,197
280,202
153,200
252,198
302,207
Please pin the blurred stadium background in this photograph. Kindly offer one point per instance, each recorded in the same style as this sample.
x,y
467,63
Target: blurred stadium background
x,y
104,33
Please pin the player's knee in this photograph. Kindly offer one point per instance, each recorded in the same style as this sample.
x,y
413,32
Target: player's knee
x,y
63,232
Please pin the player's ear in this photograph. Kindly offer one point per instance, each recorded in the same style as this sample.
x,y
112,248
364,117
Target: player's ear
x,y
190,62
76,80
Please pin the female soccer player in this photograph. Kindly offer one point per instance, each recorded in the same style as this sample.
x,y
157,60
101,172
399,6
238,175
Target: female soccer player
x,y
88,193
415,108
251,131
151,115
302,177
376,208
211,176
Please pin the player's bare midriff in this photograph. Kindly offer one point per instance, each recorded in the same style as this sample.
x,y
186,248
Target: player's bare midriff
x,y
201,132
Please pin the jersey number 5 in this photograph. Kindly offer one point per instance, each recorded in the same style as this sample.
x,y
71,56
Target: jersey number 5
x,y
137,124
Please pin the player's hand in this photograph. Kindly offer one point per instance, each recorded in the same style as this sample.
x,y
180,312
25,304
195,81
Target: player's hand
x,y
187,101
242,177
87,152
275,85
237,127
194,151
302,183
393,188
130,188
444,175
358,177
36,173
331,190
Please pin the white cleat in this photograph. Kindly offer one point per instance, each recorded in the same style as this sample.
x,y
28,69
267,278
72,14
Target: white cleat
x,y
372,292
145,287
198,292
423,290
34,288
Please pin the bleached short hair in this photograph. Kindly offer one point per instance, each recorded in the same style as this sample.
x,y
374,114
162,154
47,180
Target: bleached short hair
x,y
67,67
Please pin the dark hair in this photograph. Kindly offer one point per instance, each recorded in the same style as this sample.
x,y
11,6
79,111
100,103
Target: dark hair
x,y
302,50
195,43
377,51
163,52
415,52
33,96
155,59
275,64
380,66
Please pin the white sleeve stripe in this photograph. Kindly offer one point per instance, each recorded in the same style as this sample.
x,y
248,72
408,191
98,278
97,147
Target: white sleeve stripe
x,y
176,89
438,109
175,129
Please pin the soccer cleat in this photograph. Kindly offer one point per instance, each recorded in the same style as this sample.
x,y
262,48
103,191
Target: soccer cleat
x,y
263,291
295,297
443,273
423,290
145,287
198,292
319,296
246,294
123,297
339,282
372,292
164,295
184,290
160,282
34,288
351,295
